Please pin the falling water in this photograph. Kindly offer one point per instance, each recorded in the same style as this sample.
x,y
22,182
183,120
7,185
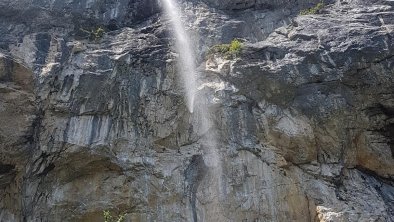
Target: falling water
x,y
188,75
186,63
187,69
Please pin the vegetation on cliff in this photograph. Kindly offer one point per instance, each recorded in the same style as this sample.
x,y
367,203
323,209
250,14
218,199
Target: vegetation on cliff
x,y
313,10
231,50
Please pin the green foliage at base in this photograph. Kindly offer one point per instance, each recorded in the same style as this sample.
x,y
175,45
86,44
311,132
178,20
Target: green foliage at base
x,y
109,218
314,10
230,50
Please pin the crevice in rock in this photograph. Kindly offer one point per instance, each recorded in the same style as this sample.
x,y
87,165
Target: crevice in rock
x,y
7,174
389,181
383,186
387,130
389,133
369,65
47,169
6,168
194,174
254,151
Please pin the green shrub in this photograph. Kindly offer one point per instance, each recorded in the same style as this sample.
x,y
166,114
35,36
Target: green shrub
x,y
314,10
109,218
99,33
230,50
94,34
235,46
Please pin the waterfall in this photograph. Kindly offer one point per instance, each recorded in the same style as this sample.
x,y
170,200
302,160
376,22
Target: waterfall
x,y
186,63
188,76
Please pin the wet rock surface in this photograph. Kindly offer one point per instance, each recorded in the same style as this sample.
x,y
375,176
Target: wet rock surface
x,y
303,116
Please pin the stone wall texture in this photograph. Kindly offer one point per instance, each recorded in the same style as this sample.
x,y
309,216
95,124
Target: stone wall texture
x,y
303,117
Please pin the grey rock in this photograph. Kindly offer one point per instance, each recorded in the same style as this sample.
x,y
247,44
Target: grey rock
x,y
303,117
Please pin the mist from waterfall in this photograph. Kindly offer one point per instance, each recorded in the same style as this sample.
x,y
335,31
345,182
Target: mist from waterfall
x,y
186,63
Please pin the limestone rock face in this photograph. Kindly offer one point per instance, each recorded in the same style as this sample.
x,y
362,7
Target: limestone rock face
x,y
99,11
17,127
262,4
301,121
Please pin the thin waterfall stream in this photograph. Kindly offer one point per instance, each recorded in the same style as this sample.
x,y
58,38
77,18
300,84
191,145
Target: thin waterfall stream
x,y
196,105
186,63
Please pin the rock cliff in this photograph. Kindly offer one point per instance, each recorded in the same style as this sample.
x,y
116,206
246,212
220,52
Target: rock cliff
x,y
93,118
